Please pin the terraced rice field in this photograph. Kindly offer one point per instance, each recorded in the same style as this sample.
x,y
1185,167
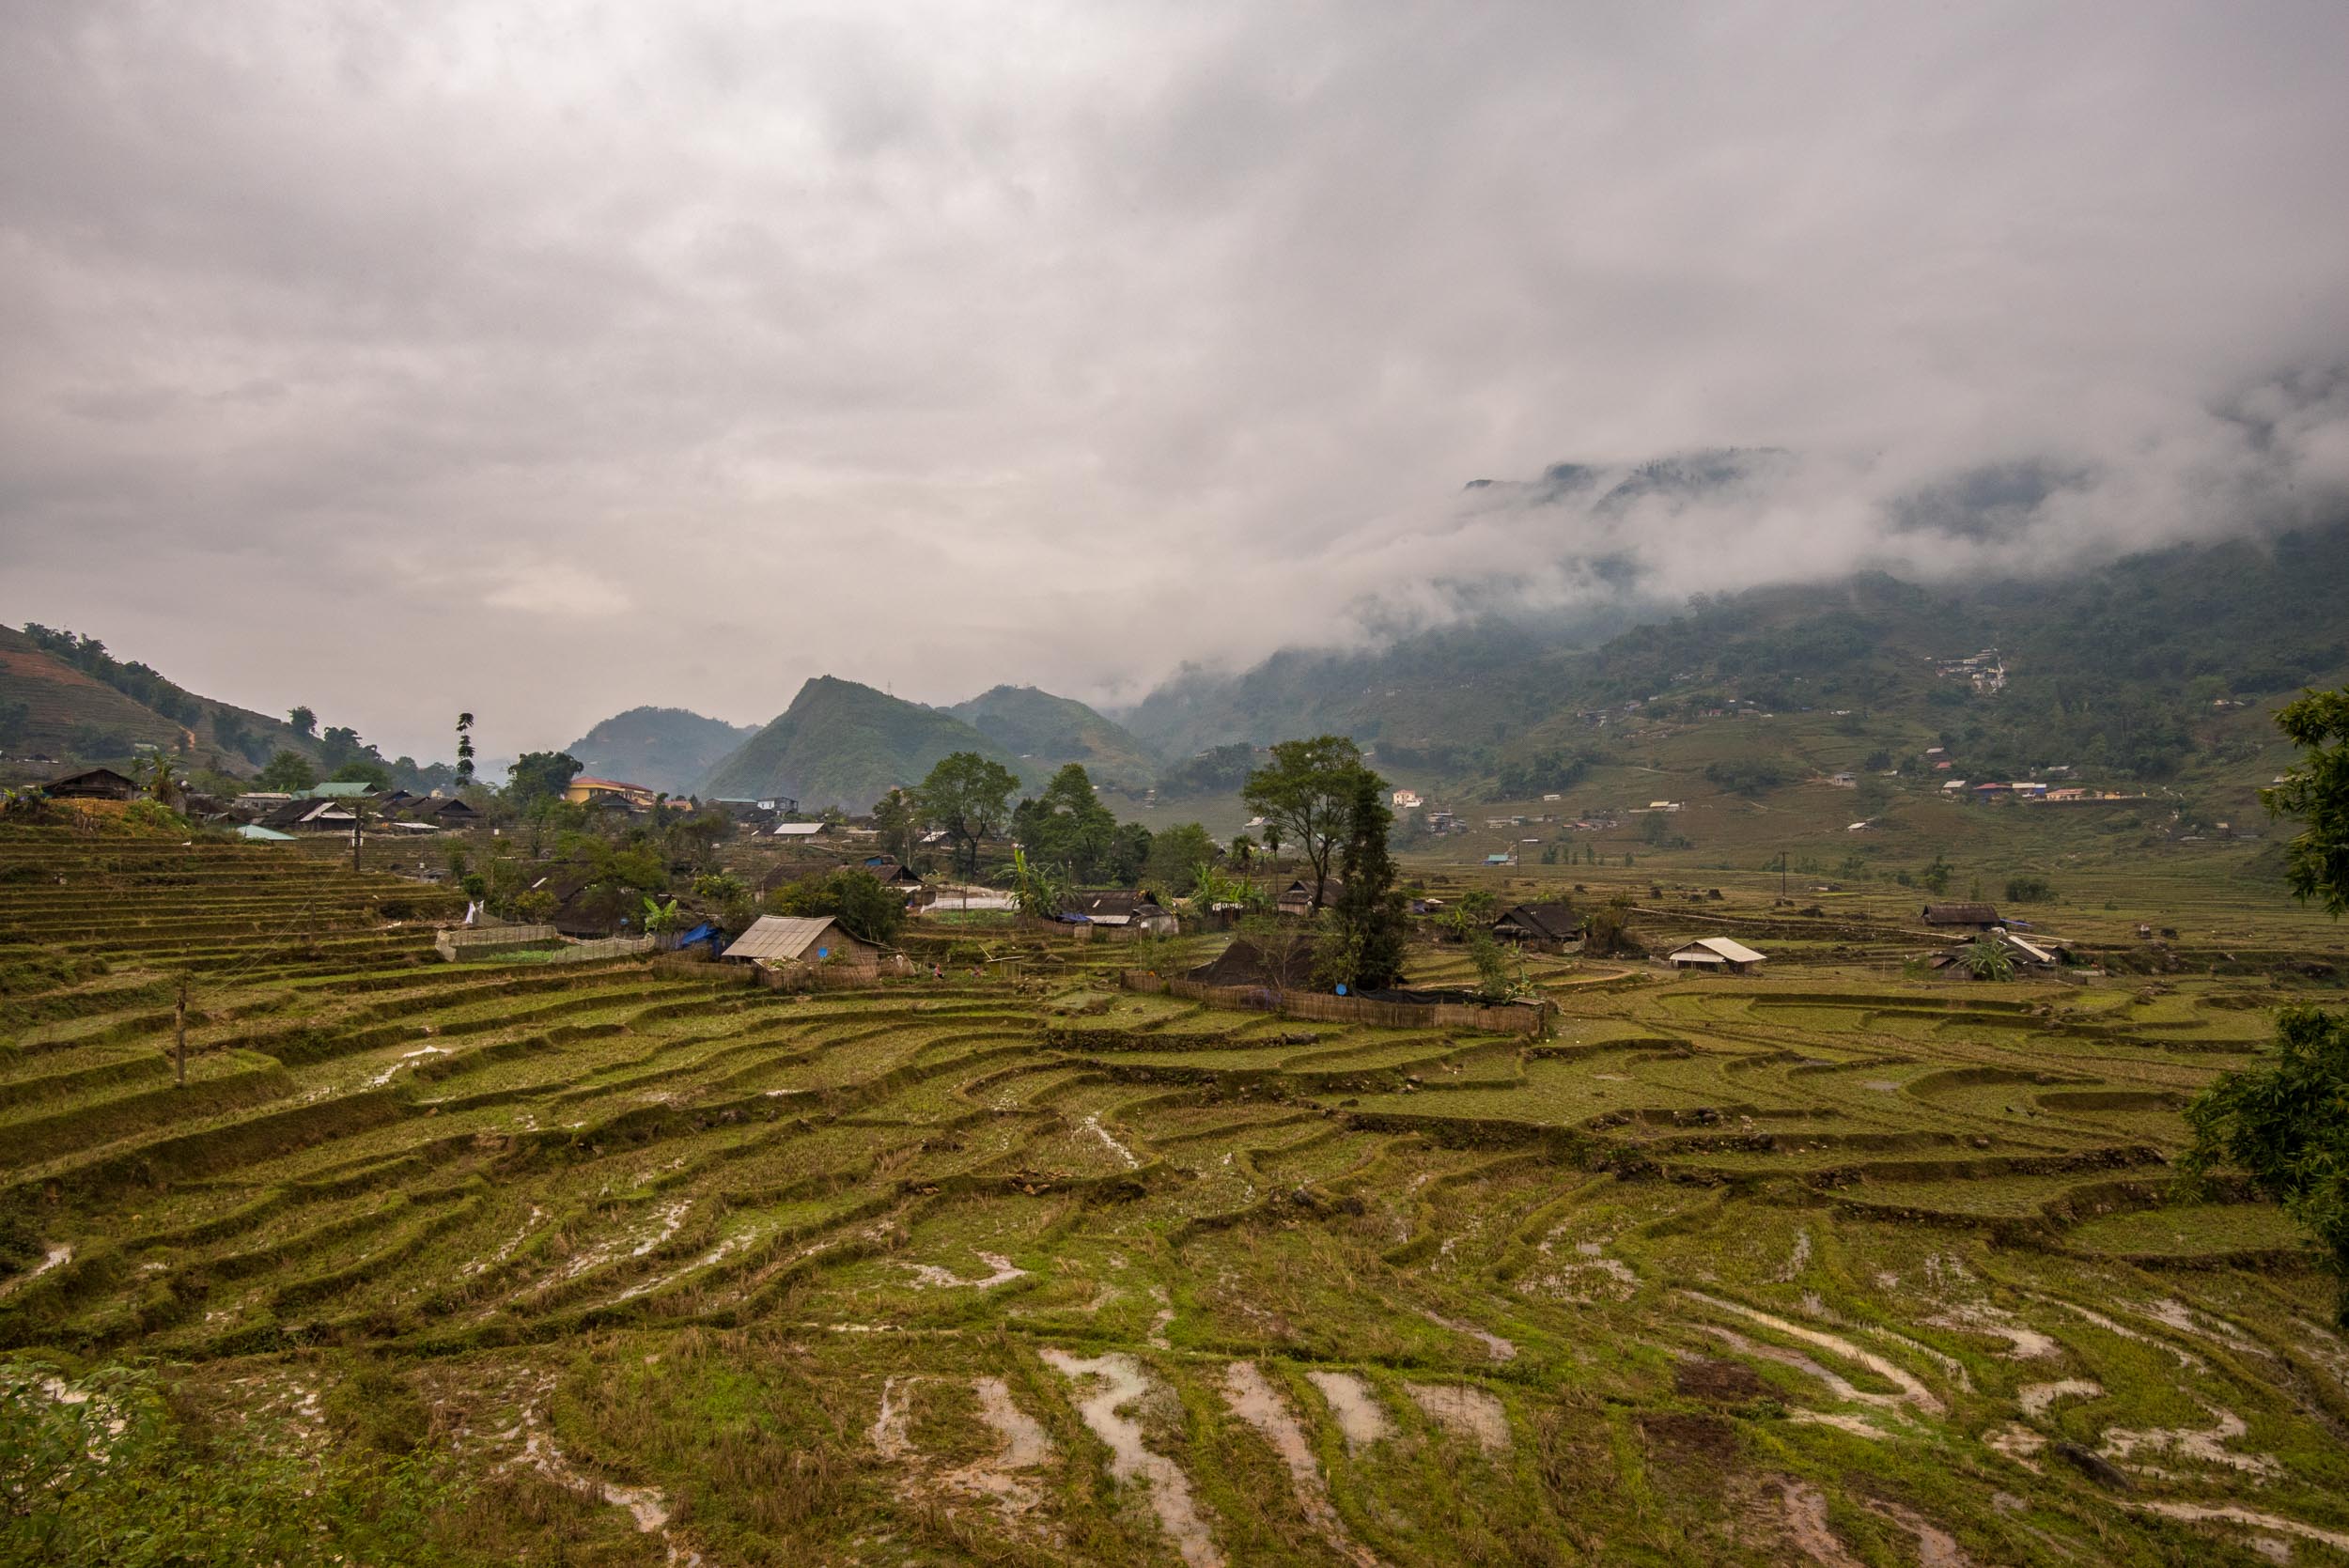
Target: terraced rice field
x,y
674,1268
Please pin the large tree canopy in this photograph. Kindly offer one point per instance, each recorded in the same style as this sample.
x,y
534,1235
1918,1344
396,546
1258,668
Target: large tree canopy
x,y
2316,863
968,795
1305,794
1067,826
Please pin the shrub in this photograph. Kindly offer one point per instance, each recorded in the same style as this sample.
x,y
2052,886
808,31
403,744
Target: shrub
x,y
2028,890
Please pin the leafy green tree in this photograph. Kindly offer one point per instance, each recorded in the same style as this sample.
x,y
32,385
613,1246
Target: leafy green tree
x,y
1040,891
1936,877
1067,825
1176,854
464,750
1499,974
865,907
900,820
1305,794
968,795
363,770
16,720
304,721
539,778
2286,1124
1988,960
1369,925
1129,853
289,772
2030,890
2316,791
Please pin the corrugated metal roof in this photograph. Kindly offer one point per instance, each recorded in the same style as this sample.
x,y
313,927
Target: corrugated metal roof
x,y
798,829
785,936
1734,952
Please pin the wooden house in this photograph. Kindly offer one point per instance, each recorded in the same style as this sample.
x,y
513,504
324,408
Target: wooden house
x,y
1962,917
1545,928
94,784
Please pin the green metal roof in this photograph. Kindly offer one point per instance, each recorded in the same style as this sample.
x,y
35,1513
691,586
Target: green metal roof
x,y
344,791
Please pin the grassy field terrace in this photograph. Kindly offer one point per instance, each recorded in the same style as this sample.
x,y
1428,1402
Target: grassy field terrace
x,y
1841,1265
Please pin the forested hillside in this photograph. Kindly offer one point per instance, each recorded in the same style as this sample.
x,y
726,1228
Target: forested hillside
x,y
1048,730
661,748
2111,668
845,745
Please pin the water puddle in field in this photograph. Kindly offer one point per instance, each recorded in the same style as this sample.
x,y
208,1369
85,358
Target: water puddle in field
x,y
1356,1409
2205,1445
1465,1412
929,1276
1843,1421
2121,1331
646,1505
1093,1124
406,1059
2036,1397
2029,1343
55,1257
1254,1400
1836,1384
1913,1391
1120,1383
1935,1546
1805,1522
1495,1346
891,1439
2197,1511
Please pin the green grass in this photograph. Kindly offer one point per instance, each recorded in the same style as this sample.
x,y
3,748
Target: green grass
x,y
409,1219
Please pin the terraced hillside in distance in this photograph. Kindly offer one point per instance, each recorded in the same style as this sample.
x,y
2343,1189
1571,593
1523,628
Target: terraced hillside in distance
x,y
650,1264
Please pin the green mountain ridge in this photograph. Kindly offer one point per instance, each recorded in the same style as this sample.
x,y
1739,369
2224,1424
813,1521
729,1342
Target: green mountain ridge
x,y
670,749
2112,668
80,704
844,745
1050,731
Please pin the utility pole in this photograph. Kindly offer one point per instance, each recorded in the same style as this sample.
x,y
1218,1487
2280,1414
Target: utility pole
x,y
1781,876
358,828
179,1028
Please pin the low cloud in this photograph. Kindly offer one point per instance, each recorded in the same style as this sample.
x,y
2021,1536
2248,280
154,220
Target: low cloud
x,y
678,354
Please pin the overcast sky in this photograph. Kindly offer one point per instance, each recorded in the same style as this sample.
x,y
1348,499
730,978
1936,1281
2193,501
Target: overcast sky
x,y
546,360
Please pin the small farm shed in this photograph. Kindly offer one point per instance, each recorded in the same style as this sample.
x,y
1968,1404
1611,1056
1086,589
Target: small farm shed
x,y
1971,917
96,784
801,939
1714,956
1298,897
1549,925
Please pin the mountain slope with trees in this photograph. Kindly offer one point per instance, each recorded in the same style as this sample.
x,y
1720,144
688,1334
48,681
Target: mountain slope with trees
x,y
670,749
1050,731
2113,668
844,745
64,696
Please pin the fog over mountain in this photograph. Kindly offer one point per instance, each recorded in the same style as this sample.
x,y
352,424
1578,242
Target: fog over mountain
x,y
547,361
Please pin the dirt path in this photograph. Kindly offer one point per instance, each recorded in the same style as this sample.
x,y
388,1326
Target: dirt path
x,y
929,1276
1806,1521
2276,1522
1122,1383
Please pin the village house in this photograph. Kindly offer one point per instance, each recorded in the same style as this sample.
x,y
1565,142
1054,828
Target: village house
x,y
779,941
1406,800
1544,927
804,831
1119,909
1976,917
584,790
95,784
443,811
1714,956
